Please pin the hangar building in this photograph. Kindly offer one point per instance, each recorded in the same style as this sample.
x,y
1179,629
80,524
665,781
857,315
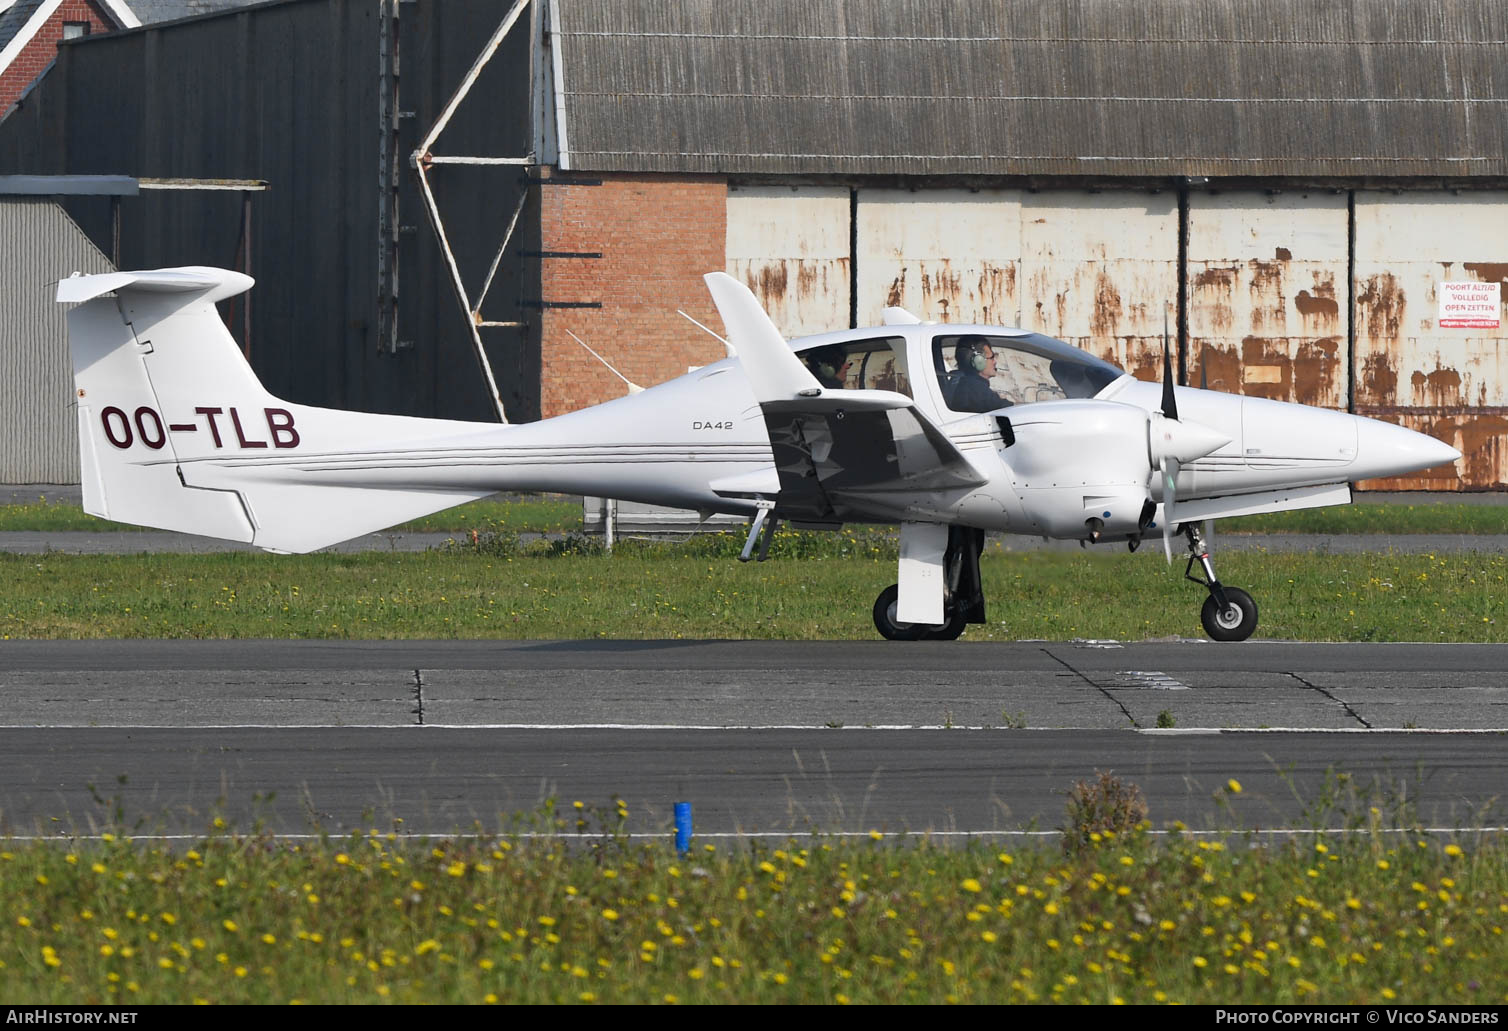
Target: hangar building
x,y
1307,188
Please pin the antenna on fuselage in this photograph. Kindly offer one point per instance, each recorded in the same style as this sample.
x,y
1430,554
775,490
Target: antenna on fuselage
x,y
633,388
731,353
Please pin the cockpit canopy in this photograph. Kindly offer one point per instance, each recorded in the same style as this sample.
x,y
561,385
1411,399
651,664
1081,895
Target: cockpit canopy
x,y
999,369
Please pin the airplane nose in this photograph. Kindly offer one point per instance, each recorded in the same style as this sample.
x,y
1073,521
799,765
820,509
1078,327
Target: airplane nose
x,y
1383,449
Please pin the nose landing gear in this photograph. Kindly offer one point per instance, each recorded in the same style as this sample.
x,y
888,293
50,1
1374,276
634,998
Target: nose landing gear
x,y
1229,614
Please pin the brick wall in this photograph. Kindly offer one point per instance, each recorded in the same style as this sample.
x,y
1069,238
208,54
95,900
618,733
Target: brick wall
x,y
658,234
43,47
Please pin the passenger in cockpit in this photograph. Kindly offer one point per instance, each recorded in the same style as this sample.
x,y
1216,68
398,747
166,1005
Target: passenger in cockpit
x,y
829,364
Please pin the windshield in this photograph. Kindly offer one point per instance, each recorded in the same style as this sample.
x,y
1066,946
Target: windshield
x,y
980,372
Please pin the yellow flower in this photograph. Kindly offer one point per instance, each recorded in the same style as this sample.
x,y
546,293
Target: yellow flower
x,y
231,926
1453,850
610,914
972,885
1233,786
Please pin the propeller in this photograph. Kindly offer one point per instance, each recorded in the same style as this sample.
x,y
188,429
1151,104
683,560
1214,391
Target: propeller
x,y
1168,464
1175,441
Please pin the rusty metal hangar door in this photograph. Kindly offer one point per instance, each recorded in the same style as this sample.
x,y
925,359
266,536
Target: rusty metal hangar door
x,y
1419,361
1325,297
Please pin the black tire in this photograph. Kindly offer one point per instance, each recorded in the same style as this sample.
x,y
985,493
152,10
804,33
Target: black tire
x,y
890,628
949,631
1238,620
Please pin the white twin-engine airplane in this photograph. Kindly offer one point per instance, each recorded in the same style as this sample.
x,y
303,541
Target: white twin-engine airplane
x,y
948,430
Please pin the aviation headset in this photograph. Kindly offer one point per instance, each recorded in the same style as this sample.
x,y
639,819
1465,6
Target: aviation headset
x,y
969,354
824,363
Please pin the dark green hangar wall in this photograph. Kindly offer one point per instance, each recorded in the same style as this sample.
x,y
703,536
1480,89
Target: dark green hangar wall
x,y
293,93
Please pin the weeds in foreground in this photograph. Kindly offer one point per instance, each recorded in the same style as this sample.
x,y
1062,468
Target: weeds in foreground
x,y
1105,805
372,917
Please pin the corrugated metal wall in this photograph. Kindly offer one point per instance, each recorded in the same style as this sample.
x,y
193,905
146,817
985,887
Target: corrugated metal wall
x,y
41,244
289,93
1037,87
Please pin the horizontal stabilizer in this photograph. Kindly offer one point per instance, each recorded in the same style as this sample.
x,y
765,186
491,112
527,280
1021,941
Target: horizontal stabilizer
x,y
191,279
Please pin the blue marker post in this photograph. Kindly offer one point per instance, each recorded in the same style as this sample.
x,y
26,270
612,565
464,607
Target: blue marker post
x,y
683,827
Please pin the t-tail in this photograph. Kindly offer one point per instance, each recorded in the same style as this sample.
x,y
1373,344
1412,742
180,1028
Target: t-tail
x,y
176,432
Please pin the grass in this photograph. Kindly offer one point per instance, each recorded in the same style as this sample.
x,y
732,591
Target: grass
x,y
556,514
1377,518
1366,917
820,586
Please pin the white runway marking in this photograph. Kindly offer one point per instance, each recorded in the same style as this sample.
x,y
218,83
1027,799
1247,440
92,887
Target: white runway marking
x,y
1155,680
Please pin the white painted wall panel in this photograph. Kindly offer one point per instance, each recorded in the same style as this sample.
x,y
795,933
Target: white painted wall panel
x,y
1267,288
1097,270
790,245
1451,383
944,255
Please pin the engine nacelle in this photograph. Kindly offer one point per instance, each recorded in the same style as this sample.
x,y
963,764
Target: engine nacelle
x,y
1081,468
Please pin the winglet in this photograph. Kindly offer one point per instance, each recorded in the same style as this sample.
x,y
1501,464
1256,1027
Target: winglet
x,y
773,369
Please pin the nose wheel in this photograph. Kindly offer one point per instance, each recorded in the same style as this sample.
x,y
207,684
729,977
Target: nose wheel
x,y
1229,614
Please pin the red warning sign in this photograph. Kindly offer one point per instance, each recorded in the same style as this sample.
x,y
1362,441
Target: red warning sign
x,y
1470,305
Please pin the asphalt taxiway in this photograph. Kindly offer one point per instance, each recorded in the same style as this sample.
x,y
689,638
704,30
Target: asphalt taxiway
x,y
762,737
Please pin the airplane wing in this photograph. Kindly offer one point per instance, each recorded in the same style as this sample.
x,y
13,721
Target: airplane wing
x,y
839,454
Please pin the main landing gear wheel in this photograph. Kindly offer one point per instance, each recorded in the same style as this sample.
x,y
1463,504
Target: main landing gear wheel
x,y
1235,622
890,628
893,629
963,599
949,631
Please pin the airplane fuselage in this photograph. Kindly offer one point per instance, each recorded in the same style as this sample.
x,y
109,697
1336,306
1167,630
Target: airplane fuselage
x,y
701,442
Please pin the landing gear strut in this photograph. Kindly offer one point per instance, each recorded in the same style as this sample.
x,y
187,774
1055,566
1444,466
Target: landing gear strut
x,y
963,601
1228,614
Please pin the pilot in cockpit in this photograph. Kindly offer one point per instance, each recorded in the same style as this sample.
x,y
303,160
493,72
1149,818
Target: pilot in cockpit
x,y
967,387
829,365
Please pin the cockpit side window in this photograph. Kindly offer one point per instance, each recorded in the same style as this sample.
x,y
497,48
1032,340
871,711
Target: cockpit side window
x,y
878,364
984,373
